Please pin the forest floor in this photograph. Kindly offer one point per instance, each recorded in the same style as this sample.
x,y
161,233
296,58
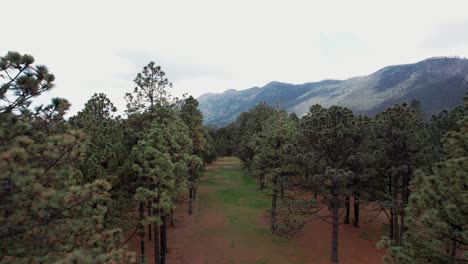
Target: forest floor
x,y
230,226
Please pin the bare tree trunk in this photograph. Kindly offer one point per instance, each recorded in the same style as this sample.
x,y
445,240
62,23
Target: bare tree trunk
x,y
403,205
453,248
149,225
396,229
392,229
346,218
392,210
357,202
282,187
163,240
335,213
190,200
405,198
172,217
261,182
157,253
141,232
273,203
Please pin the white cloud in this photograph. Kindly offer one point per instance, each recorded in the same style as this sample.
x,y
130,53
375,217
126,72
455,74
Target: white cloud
x,y
213,45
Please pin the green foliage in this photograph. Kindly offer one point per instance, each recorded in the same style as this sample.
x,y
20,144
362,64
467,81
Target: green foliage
x,y
105,151
250,124
151,90
23,81
278,132
49,212
399,147
437,209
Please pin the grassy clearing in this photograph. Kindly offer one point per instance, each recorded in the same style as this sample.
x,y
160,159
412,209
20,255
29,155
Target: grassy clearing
x,y
235,195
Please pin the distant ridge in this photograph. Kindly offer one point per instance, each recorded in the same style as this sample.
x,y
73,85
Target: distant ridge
x,y
438,82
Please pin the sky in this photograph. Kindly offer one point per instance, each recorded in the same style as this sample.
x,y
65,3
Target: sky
x,y
95,46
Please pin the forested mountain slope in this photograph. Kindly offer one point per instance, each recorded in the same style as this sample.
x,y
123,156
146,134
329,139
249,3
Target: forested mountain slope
x,y
438,83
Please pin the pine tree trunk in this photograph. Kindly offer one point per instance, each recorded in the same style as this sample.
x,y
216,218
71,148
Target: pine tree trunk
x,y
402,223
396,229
141,231
346,218
157,253
392,210
453,248
315,193
404,190
391,231
149,225
261,182
190,200
163,240
273,203
282,187
335,214
172,217
405,198
357,202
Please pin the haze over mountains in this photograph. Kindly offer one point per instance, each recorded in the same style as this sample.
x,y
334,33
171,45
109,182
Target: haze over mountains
x,y
438,83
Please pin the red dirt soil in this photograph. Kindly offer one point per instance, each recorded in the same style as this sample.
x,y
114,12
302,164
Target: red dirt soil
x,y
188,244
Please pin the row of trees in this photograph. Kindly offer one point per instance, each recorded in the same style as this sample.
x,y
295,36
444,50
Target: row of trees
x,y
69,187
412,170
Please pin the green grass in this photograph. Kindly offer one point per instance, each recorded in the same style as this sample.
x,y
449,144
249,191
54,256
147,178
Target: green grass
x,y
236,188
231,159
236,196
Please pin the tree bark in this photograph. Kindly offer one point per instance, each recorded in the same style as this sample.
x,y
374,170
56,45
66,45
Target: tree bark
x,y
347,205
453,248
157,253
149,225
190,200
335,214
163,240
357,202
392,211
404,190
273,203
141,232
172,217
391,231
281,187
261,182
396,229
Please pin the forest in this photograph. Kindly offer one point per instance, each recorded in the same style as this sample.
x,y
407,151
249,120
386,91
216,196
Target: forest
x,y
74,188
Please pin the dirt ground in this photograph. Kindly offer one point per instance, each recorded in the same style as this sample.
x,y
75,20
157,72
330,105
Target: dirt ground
x,y
225,229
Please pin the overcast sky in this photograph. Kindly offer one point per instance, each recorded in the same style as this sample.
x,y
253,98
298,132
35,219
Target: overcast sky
x,y
214,45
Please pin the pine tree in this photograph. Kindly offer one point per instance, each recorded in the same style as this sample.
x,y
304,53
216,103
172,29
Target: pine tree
x,y
105,153
399,143
24,81
151,90
269,159
193,118
49,213
438,206
248,124
332,139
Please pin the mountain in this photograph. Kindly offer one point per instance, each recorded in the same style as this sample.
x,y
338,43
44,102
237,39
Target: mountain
x,y
438,83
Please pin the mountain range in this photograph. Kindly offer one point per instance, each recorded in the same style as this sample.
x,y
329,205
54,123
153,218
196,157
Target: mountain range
x,y
438,83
